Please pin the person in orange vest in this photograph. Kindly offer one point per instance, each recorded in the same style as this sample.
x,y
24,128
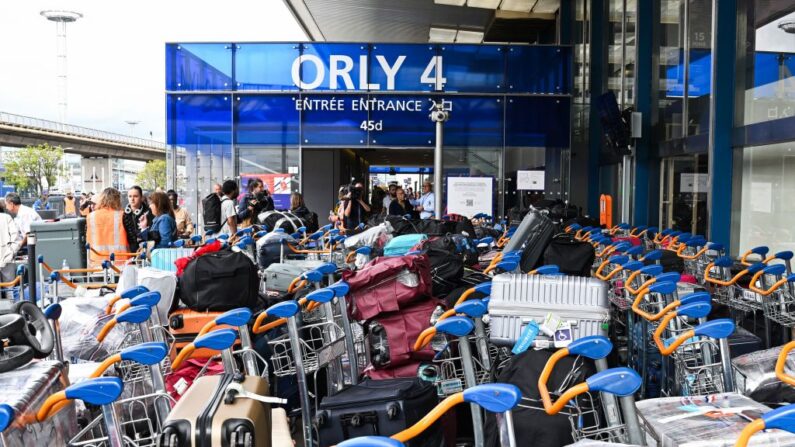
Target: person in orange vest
x,y
105,228
69,208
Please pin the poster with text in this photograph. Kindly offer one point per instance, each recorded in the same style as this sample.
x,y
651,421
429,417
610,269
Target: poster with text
x,y
278,185
468,196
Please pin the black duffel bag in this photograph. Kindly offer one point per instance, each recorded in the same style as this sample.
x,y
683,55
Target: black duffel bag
x,y
431,227
447,264
220,281
572,257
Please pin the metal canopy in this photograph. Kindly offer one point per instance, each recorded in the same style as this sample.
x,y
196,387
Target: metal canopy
x,y
410,21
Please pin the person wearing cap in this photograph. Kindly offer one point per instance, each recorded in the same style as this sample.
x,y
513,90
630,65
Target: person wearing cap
x,y
424,205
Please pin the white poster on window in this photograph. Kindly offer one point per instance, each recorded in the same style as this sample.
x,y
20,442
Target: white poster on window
x,y
762,193
530,180
693,183
468,196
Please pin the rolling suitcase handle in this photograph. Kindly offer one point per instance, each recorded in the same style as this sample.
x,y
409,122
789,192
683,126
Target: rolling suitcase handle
x,y
101,392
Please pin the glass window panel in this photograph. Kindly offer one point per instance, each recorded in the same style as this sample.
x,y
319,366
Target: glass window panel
x,y
769,83
348,67
538,69
265,66
266,120
473,68
403,128
276,167
700,66
766,210
328,120
198,66
535,121
474,121
416,58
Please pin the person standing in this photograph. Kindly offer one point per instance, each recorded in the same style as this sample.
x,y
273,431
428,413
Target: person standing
x,y
87,204
10,243
425,204
181,215
218,190
254,202
228,211
42,203
162,230
69,206
393,186
401,205
136,207
356,208
23,215
105,231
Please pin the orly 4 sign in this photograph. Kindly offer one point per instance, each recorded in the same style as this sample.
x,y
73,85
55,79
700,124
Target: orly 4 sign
x,y
341,70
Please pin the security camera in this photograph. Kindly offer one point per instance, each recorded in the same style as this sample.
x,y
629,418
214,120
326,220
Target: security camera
x,y
439,116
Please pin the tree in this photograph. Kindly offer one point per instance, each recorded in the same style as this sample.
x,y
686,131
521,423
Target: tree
x,y
34,167
152,176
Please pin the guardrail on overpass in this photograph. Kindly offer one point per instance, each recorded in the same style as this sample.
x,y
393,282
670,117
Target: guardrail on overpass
x,y
69,130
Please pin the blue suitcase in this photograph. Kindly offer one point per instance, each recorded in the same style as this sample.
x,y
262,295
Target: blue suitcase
x,y
401,245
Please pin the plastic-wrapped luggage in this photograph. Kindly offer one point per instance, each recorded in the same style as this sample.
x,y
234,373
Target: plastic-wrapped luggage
x,y
281,219
382,407
163,258
81,320
269,248
159,281
755,376
25,390
387,285
579,305
376,236
401,245
700,421
531,237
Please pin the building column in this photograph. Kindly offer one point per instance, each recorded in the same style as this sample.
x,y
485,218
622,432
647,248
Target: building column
x,y
598,86
645,97
721,125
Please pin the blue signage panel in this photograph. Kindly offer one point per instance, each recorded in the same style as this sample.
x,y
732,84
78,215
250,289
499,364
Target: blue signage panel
x,y
537,121
331,66
473,68
266,120
199,119
328,120
254,64
538,69
401,120
401,67
199,66
474,121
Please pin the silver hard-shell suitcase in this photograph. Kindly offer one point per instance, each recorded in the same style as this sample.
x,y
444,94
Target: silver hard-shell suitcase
x,y
278,276
516,299
25,389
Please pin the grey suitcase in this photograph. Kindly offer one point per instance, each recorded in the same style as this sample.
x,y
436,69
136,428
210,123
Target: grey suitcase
x,y
62,240
532,237
25,389
278,276
516,299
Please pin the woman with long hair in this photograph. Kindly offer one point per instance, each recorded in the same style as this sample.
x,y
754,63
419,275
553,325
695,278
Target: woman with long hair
x,y
105,230
163,228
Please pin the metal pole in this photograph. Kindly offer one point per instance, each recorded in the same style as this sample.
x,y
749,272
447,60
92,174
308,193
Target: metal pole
x,y
112,426
626,187
608,400
31,268
471,380
631,420
437,171
303,390
726,363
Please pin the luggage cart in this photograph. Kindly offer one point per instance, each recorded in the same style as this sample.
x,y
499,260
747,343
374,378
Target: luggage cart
x,y
726,291
778,301
600,418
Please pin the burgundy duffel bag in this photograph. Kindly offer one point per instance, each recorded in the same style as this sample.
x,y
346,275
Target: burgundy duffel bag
x,y
387,285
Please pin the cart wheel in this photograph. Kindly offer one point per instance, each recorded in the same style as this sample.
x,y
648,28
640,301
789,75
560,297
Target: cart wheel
x,y
10,324
37,332
13,357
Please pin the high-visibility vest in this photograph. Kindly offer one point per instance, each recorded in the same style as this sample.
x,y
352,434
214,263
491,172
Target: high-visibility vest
x,y
105,233
69,205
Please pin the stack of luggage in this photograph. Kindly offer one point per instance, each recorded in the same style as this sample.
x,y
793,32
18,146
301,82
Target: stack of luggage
x,y
547,331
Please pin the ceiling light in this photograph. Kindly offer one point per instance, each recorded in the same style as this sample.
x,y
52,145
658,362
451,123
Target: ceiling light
x,y
788,26
469,36
444,35
517,5
488,4
450,2
546,6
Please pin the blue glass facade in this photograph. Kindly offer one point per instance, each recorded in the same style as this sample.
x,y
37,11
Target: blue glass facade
x,y
231,104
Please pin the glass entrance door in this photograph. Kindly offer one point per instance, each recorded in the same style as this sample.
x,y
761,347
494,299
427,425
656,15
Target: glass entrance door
x,y
683,193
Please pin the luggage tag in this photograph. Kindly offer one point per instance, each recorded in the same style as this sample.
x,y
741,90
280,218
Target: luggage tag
x,y
550,325
529,334
563,336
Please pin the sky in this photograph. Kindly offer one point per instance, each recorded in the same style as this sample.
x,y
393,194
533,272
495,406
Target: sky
x,y
116,54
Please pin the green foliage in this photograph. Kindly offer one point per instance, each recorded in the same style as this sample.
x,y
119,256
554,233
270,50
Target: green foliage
x,y
34,167
152,176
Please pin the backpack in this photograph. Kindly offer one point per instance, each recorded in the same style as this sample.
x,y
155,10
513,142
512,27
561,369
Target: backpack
x,y
573,257
211,212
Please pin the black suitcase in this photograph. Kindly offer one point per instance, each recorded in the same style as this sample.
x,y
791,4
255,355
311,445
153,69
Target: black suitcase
x,y
572,257
378,407
532,237
670,262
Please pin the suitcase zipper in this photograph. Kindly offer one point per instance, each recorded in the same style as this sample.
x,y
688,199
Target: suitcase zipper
x,y
204,423
567,311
